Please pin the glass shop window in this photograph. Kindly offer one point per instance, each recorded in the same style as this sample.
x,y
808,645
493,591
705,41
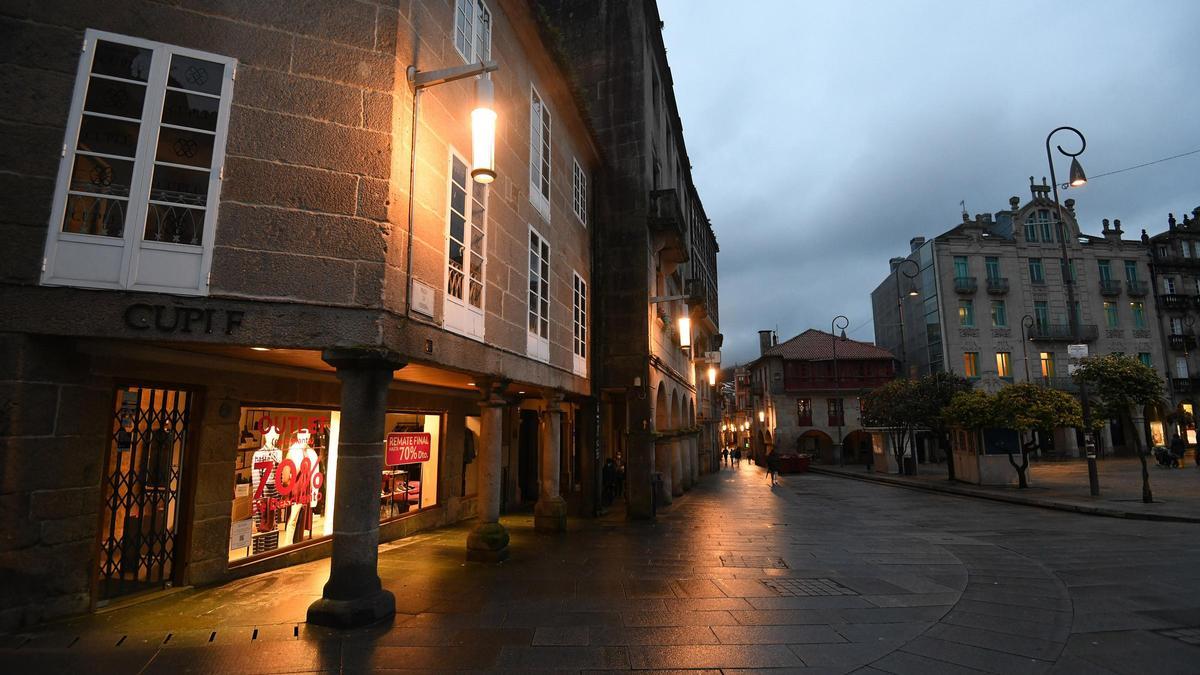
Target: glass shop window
x,y
410,473
470,486
283,479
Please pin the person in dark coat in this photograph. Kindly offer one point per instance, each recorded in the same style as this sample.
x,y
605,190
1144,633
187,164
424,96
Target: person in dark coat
x,y
773,466
1178,448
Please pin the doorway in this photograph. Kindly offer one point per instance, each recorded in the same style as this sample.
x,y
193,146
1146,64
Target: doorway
x,y
142,482
527,456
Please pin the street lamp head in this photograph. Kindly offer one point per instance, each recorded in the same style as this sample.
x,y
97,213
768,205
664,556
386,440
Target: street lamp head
x,y
762,416
1078,178
483,133
912,290
843,336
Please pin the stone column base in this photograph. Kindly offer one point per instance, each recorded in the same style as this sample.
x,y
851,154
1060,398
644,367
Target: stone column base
x,y
550,515
488,542
361,611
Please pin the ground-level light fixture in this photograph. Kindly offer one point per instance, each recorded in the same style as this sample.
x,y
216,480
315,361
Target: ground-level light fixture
x,y
260,349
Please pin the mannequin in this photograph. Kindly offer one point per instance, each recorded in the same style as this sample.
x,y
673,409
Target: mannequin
x,y
262,486
306,486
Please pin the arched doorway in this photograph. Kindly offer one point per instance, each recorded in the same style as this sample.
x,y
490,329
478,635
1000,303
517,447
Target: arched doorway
x,y
662,413
856,448
816,443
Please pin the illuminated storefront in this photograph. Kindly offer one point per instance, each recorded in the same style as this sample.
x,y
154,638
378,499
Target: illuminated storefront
x,y
285,475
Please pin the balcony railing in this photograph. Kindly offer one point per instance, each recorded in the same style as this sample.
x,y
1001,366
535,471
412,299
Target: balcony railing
x,y
1060,332
965,285
1110,287
1137,289
997,285
1181,385
1181,343
1175,301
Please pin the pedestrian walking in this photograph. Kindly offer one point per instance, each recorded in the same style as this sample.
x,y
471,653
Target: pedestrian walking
x,y
724,456
772,466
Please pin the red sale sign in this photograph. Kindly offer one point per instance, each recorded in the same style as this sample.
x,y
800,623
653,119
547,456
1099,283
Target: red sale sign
x,y
407,448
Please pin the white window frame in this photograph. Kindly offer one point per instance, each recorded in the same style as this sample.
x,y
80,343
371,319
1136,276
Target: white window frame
x,y
579,192
459,315
476,34
579,316
540,153
130,261
1181,367
1169,285
537,345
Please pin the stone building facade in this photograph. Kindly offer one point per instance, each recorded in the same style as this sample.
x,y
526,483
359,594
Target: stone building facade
x,y
247,269
806,395
986,300
1175,278
657,260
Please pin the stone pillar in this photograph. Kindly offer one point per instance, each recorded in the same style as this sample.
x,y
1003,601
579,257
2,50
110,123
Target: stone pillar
x,y
677,467
353,596
1106,439
488,542
1067,441
695,445
662,464
550,512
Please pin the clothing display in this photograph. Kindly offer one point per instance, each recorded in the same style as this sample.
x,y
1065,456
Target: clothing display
x,y
265,466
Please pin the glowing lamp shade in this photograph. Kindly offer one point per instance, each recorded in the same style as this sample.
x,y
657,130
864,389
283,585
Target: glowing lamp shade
x,y
762,416
483,133
1078,178
685,331
712,376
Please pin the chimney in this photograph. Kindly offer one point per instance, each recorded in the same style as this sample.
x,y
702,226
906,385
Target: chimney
x,y
915,243
765,341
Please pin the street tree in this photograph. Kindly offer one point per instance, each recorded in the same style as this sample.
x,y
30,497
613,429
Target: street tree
x,y
893,407
1118,385
933,393
1028,408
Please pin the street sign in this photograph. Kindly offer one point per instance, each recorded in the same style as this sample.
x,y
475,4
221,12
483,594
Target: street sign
x,y
1077,351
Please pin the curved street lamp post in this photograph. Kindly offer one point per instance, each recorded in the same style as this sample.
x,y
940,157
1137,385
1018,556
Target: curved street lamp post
x,y
912,292
841,322
1077,179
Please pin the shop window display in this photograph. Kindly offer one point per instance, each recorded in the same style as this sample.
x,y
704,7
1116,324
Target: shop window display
x,y
284,478
409,481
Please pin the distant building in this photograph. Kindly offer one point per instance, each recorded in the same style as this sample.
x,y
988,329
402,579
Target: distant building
x,y
986,300
1175,276
806,394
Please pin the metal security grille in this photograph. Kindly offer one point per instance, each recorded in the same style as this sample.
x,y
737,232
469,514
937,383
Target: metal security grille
x,y
141,490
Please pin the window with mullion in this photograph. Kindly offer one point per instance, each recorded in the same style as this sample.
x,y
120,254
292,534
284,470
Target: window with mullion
x,y
579,192
466,250
579,340
472,30
145,143
539,153
538,326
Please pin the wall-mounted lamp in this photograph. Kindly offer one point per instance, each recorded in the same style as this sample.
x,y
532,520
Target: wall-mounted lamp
x,y
483,133
762,416
712,376
483,116
685,331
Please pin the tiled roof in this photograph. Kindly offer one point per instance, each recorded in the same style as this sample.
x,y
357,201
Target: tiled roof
x,y
817,345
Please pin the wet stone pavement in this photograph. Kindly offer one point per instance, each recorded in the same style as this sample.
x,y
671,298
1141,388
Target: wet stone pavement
x,y
818,575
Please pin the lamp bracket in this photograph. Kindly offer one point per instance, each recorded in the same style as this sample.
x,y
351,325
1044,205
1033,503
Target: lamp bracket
x,y
655,299
431,78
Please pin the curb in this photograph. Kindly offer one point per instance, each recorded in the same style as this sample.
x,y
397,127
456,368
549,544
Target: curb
x,y
1010,499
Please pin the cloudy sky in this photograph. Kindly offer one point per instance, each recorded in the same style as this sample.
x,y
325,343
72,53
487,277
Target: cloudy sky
x,y
825,135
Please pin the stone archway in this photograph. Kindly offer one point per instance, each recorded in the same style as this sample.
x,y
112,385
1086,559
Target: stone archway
x,y
662,413
857,447
816,443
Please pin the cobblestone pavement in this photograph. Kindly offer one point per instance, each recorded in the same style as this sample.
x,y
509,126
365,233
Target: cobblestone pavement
x,y
1176,491
818,575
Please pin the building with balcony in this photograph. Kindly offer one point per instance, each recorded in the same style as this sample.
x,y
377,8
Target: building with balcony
x,y
1175,278
248,266
655,265
806,395
986,299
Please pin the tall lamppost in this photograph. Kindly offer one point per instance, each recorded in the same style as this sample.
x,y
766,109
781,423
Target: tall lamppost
x,y
842,322
1027,322
1077,179
912,293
